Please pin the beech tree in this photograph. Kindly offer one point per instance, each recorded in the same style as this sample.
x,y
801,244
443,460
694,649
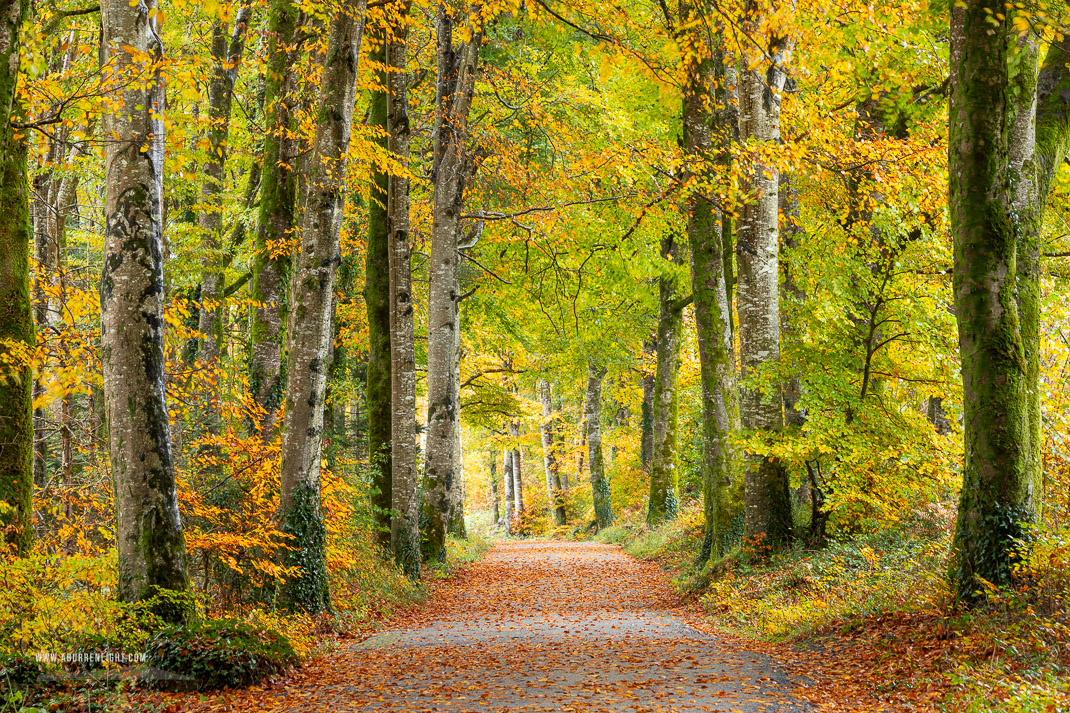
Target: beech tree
x,y
603,507
1002,159
663,501
554,486
16,311
380,386
710,122
278,206
311,332
151,543
457,66
404,478
767,503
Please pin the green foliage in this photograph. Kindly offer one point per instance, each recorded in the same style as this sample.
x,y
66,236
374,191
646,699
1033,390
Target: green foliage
x,y
17,670
307,589
209,655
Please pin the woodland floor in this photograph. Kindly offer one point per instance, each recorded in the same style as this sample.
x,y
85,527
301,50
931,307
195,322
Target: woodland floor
x,y
541,626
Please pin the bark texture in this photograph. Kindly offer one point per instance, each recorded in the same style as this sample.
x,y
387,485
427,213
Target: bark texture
x,y
1008,128
405,480
768,513
663,501
227,50
16,312
311,330
603,507
378,292
1039,163
278,201
507,477
454,90
555,492
709,122
149,533
495,509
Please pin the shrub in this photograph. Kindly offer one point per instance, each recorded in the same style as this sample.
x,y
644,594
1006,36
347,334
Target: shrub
x,y
208,655
18,670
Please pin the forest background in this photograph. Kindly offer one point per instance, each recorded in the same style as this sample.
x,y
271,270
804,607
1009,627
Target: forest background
x,y
539,268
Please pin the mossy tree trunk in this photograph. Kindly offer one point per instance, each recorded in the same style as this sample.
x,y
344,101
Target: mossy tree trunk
x,y
600,494
457,526
311,332
378,290
662,503
709,125
278,200
457,66
16,311
1008,136
767,504
646,414
151,544
1050,143
405,478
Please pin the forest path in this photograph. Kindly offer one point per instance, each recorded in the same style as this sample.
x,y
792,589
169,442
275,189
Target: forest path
x,y
544,626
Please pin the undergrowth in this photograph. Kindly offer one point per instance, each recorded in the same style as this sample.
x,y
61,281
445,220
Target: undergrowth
x,y
875,600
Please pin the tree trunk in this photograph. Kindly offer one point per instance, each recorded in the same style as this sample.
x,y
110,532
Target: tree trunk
x,y
554,490
16,310
495,513
646,415
709,121
934,411
402,477
997,189
457,527
381,387
456,85
149,533
768,513
278,199
603,508
227,50
1051,141
507,476
791,233
663,501
518,481
581,452
311,329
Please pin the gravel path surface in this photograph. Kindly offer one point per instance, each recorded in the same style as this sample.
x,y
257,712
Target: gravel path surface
x,y
544,626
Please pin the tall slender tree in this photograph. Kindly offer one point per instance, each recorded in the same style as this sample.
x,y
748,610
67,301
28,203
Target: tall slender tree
x,y
228,48
507,495
311,332
16,312
766,497
149,535
311,316
278,205
662,502
457,65
548,430
603,506
710,122
405,479
380,387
